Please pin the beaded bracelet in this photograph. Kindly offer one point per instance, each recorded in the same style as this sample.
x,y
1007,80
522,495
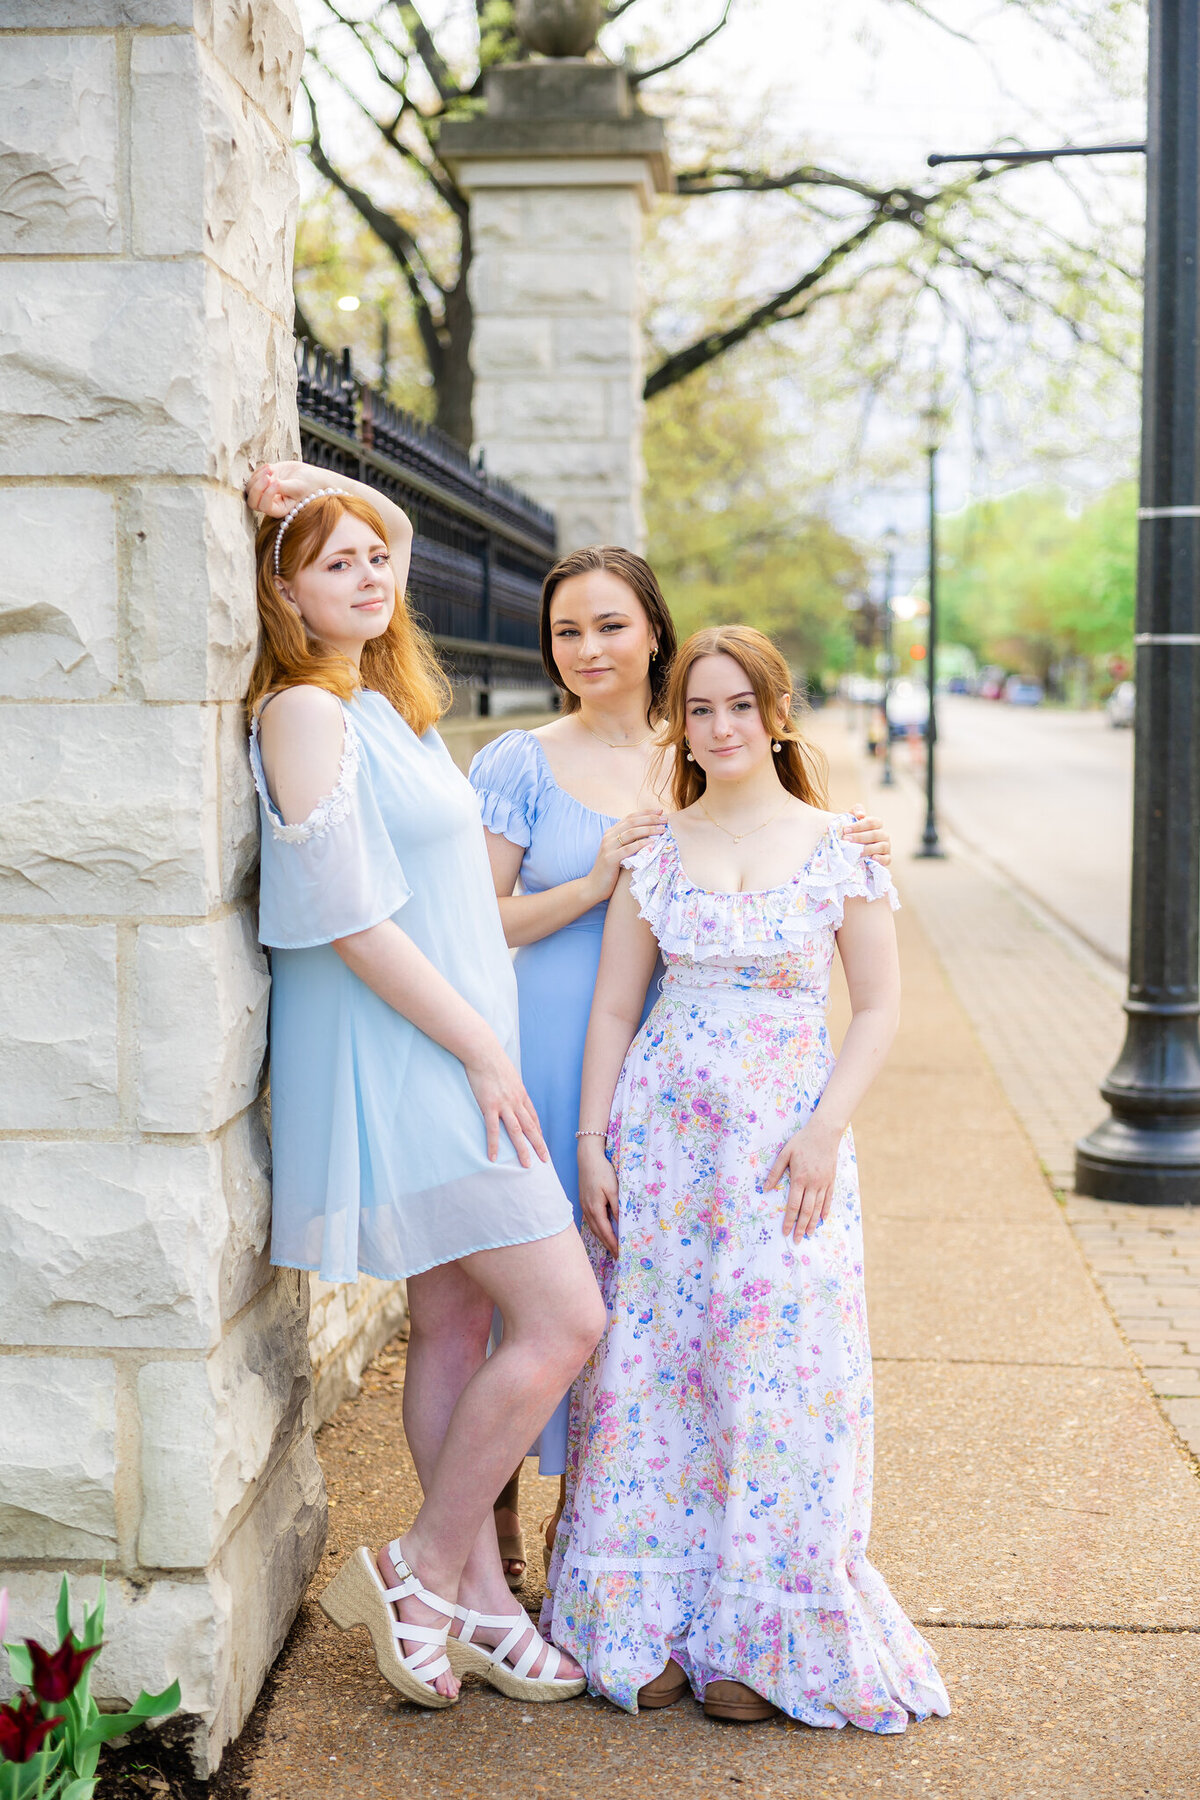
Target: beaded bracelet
x,y
602,1134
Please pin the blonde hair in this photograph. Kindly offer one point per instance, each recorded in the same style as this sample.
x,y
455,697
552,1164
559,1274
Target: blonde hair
x,y
801,767
400,664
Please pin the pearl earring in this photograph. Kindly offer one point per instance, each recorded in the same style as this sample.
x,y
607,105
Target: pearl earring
x,y
690,757
776,748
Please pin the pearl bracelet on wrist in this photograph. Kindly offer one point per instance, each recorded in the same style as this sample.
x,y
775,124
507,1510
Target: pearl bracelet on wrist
x,y
603,1134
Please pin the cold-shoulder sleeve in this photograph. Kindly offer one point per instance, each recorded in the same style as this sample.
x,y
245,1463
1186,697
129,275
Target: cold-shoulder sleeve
x,y
334,873
507,775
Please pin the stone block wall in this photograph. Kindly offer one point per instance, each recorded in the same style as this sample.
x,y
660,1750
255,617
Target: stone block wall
x,y
154,1372
557,342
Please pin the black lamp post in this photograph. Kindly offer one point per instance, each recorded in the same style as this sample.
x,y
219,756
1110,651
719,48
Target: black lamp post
x,y
933,420
1148,1149
891,538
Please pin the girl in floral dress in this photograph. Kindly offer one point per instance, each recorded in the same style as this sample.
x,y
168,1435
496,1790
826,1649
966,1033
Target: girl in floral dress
x,y
720,1455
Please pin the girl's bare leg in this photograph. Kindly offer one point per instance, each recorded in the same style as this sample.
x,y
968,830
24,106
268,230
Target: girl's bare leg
x,y
470,1417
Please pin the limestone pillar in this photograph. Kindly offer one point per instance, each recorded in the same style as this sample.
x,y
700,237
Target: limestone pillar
x,y
154,1383
560,168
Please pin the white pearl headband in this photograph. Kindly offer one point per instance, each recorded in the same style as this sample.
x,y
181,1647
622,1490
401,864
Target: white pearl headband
x,y
299,508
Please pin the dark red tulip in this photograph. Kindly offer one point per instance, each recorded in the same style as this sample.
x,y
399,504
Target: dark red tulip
x,y
23,1730
56,1676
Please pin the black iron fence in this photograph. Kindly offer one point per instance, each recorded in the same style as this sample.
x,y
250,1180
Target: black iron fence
x,y
481,548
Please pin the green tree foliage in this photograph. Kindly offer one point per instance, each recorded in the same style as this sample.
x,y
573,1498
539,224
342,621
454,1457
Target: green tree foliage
x,y
730,534
1029,585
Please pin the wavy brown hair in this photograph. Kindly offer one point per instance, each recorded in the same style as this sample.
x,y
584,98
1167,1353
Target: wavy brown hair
x,y
401,663
801,767
637,574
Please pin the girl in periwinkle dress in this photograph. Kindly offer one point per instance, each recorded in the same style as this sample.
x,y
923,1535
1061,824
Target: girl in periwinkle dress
x,y
719,1467
404,1143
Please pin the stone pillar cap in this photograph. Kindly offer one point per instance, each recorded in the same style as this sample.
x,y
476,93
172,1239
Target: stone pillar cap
x,y
567,108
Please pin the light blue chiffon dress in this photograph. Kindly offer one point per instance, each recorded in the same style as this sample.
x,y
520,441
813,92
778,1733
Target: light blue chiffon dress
x,y
379,1149
521,801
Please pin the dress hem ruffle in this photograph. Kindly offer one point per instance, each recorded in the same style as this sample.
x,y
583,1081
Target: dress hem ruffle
x,y
863,1663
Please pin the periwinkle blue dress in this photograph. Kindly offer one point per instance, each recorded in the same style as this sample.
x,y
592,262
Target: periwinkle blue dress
x,y
379,1148
521,801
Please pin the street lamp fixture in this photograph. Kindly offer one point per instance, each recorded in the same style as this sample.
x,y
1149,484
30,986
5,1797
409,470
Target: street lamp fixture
x,y
1148,1149
933,420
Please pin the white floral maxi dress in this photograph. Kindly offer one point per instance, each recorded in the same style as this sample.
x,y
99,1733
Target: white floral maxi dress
x,y
720,1452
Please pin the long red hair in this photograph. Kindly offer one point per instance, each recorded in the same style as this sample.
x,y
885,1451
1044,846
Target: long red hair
x,y
401,663
801,767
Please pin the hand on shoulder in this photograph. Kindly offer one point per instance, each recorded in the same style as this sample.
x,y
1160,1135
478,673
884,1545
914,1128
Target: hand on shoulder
x,y
301,733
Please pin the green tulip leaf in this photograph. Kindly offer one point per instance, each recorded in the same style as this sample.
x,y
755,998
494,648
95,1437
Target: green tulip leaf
x,y
111,1725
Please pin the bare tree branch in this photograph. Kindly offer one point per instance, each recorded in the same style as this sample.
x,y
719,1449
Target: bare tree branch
x,y
685,362
402,246
432,170
637,76
434,62
926,12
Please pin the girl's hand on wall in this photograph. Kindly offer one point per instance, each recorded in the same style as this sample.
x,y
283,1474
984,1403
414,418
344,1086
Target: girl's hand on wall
x,y
274,488
809,1161
622,840
598,1192
501,1098
870,834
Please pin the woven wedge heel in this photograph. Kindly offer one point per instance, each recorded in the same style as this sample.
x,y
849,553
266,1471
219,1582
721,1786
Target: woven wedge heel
x,y
357,1596
469,1658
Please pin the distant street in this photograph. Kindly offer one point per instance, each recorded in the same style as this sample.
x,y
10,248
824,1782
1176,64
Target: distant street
x,y
1046,796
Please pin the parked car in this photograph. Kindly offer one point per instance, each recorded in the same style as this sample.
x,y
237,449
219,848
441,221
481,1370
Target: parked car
x,y
1119,705
1020,692
991,684
908,707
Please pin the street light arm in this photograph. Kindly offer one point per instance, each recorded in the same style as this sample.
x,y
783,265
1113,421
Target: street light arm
x,y
936,158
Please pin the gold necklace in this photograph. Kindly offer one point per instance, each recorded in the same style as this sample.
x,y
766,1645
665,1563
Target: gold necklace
x,y
638,746
737,836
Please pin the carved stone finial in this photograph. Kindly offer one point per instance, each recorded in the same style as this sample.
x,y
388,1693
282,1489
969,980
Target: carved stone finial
x,y
558,27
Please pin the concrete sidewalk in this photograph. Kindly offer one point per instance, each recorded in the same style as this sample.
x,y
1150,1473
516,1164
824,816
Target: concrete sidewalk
x,y
1033,1511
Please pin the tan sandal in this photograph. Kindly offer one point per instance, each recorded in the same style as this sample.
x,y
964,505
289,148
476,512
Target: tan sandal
x,y
666,1688
357,1596
468,1658
512,1549
734,1700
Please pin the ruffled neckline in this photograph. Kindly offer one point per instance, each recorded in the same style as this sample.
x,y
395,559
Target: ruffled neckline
x,y
835,825
704,923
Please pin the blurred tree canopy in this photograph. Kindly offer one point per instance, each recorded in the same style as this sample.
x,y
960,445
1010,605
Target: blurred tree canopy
x,y
844,242
729,535
1030,585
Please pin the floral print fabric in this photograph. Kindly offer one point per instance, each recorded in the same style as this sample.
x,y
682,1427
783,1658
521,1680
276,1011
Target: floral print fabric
x,y
720,1452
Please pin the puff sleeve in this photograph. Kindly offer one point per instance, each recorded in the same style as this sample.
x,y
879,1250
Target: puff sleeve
x,y
334,873
507,777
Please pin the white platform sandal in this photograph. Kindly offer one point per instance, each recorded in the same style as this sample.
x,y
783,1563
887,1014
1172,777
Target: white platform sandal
x,y
470,1658
357,1596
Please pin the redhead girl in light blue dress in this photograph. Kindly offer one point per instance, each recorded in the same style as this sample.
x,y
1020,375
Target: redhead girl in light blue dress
x,y
404,1141
562,807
